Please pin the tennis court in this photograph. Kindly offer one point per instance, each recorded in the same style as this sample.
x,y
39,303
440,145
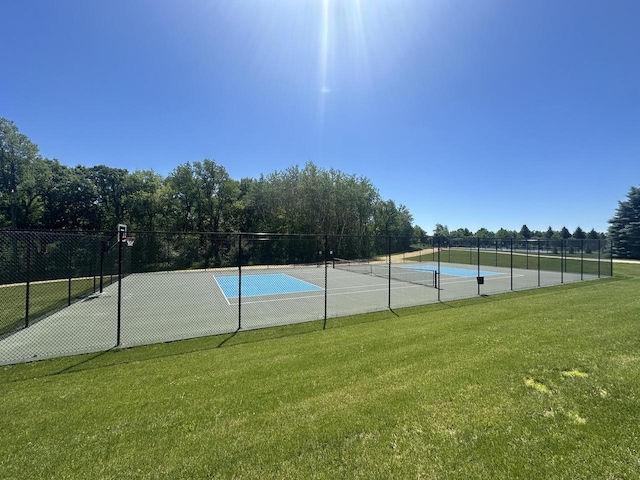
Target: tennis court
x,y
169,306
263,284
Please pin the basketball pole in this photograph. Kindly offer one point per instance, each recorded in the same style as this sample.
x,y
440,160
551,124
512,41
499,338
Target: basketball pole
x,y
121,230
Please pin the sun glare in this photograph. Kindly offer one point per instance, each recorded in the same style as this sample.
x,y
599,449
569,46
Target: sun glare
x,y
342,49
317,52
324,45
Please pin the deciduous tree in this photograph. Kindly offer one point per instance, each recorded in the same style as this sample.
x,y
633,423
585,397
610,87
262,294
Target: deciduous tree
x,y
17,152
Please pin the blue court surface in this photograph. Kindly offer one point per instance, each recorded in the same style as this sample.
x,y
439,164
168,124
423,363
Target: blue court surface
x,y
264,284
453,271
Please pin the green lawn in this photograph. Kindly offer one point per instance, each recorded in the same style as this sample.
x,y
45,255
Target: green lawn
x,y
548,262
536,384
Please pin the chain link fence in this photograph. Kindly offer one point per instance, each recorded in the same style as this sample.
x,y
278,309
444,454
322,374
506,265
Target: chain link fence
x,y
70,293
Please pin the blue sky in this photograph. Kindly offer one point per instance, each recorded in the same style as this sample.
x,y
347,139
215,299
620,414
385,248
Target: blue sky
x,y
472,113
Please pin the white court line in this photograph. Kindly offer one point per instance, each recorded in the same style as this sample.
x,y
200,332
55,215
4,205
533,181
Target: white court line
x,y
318,294
222,291
354,290
303,281
315,287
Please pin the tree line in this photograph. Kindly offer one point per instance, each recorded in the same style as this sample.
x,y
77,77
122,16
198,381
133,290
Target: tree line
x,y
524,233
41,193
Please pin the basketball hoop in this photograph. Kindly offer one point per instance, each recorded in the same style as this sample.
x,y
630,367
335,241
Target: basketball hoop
x,y
130,241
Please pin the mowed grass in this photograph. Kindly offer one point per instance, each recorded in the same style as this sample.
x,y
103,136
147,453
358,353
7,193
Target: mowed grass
x,y
44,298
536,384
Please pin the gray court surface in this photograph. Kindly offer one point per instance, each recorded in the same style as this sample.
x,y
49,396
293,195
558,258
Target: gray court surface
x,y
169,306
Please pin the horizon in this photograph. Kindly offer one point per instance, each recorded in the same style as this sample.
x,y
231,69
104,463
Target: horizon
x,y
472,115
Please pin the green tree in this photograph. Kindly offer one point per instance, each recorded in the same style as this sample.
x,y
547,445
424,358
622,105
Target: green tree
x,y
624,227
593,235
525,232
564,233
36,176
503,233
579,234
184,198
484,233
549,233
112,194
70,200
419,233
357,202
17,152
460,233
144,199
441,230
218,194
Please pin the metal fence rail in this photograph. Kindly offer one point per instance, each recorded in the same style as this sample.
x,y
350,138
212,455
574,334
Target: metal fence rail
x,y
68,293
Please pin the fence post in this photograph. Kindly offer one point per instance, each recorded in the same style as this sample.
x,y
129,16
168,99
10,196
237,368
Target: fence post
x,y
103,249
478,280
562,261
119,325
389,259
611,257
239,281
92,270
599,246
511,262
538,262
326,285
582,259
28,286
438,275
70,275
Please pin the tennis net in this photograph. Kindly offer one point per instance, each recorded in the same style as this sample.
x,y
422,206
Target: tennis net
x,y
424,277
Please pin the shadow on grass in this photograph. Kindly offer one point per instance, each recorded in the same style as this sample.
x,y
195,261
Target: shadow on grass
x,y
87,358
122,356
230,337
